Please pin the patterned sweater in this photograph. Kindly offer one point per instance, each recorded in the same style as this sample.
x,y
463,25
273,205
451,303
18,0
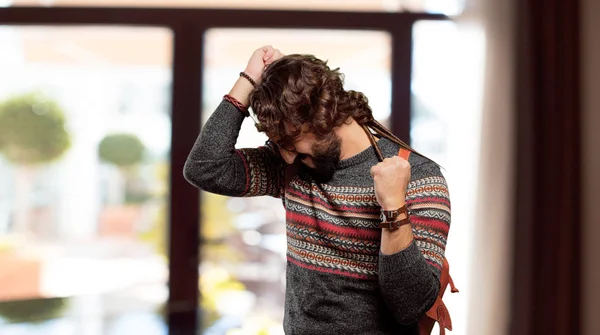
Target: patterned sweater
x,y
338,281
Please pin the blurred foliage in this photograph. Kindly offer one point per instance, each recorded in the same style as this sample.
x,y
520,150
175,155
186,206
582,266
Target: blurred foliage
x,y
32,130
216,217
5,247
126,151
8,243
122,150
218,254
161,174
217,230
33,311
214,283
157,234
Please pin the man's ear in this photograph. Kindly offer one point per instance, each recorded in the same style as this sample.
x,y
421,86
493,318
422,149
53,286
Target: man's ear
x,y
288,156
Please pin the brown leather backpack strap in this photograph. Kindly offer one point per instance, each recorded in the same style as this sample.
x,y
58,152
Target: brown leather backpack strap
x,y
453,288
444,277
438,312
404,153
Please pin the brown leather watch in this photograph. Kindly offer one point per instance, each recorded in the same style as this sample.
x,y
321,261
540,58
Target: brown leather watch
x,y
389,219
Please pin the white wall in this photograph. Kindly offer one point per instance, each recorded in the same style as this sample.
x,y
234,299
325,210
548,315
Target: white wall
x,y
591,167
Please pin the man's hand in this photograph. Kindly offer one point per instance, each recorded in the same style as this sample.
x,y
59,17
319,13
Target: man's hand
x,y
260,59
255,68
391,180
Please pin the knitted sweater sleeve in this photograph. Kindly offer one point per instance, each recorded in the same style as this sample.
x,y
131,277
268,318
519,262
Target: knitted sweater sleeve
x,y
409,279
215,165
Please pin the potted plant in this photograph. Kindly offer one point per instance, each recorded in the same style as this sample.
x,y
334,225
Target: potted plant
x,y
126,191
32,133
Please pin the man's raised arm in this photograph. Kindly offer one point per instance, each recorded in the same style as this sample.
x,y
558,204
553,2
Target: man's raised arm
x,y
214,165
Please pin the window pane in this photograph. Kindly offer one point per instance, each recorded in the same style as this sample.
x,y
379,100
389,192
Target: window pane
x,y
83,187
243,269
449,7
445,126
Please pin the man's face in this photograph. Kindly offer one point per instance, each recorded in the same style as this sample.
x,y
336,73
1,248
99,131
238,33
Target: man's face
x,y
320,156
325,159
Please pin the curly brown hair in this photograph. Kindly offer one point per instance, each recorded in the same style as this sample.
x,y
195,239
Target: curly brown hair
x,y
299,90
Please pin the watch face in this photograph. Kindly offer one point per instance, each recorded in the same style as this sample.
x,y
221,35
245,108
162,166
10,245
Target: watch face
x,y
382,217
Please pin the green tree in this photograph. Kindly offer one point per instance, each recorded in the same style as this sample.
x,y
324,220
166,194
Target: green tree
x,y
32,132
34,310
125,151
122,150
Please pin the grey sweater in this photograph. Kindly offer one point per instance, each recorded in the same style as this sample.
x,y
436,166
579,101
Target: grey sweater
x,y
338,281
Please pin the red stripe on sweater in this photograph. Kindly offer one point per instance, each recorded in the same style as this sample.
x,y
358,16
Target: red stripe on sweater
x,y
434,264
355,246
433,224
325,226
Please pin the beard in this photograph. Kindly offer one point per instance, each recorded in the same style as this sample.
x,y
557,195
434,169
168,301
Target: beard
x,y
326,159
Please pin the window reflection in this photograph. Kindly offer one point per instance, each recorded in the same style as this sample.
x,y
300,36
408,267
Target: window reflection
x,y
84,141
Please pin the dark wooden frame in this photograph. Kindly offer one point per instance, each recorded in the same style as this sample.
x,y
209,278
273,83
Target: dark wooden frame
x,y
189,26
547,236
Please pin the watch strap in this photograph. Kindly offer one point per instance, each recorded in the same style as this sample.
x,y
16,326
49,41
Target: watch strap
x,y
393,214
393,225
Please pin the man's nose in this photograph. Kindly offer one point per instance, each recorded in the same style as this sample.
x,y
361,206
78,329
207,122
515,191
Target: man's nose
x,y
288,156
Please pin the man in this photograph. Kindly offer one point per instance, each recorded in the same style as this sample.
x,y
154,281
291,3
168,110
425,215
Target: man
x,y
347,273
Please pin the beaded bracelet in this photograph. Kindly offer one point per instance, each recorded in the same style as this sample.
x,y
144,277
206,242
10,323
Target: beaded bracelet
x,y
245,75
237,104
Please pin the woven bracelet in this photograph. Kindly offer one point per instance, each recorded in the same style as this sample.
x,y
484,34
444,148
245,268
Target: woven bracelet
x,y
245,75
237,104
